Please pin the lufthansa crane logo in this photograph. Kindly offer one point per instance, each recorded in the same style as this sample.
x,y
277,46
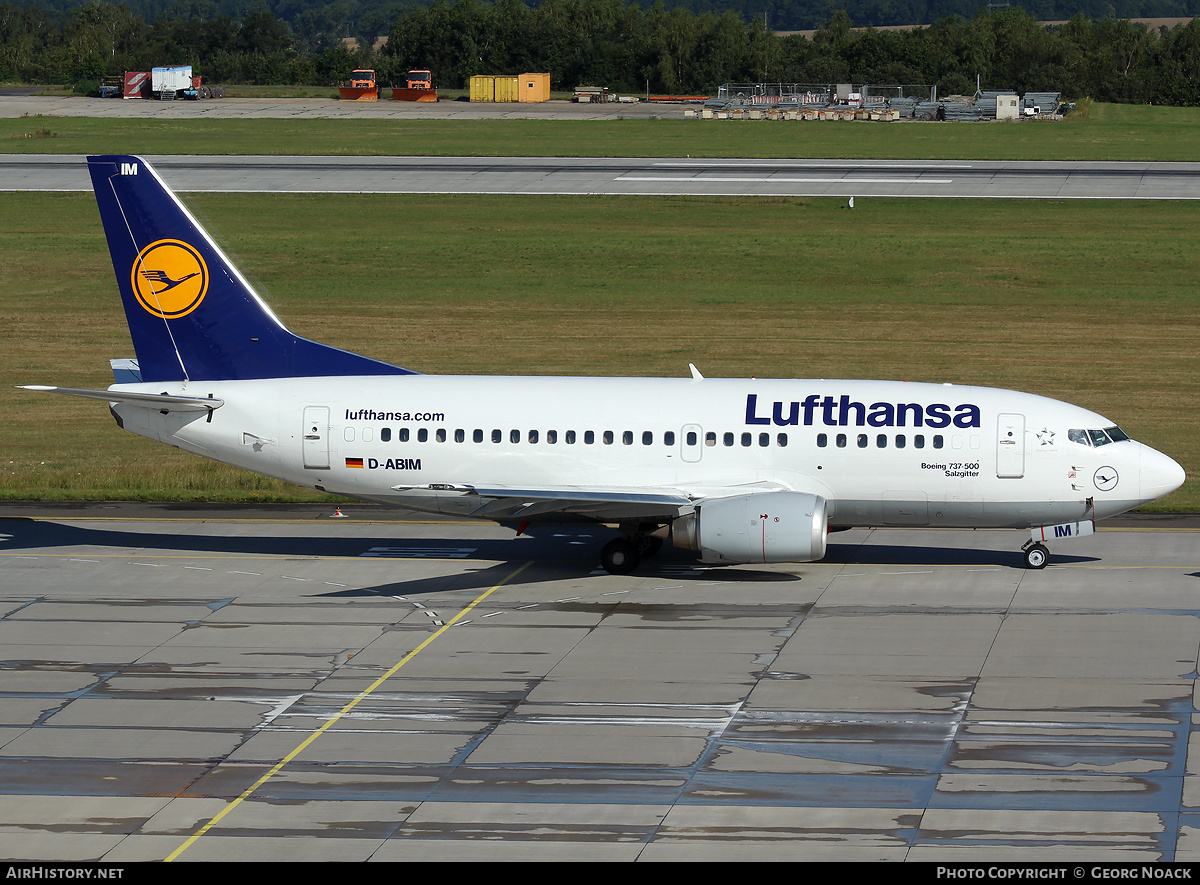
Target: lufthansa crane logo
x,y
1105,479
170,278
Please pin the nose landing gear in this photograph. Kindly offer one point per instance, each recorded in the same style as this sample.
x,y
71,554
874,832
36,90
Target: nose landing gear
x,y
1037,554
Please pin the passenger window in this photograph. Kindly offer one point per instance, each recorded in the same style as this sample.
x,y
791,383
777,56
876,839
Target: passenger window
x,y
900,441
647,438
608,437
478,435
728,439
627,438
422,435
841,440
881,441
570,437
514,436
781,440
764,439
669,438
919,441
691,438
385,434
403,434
938,442
440,435
533,436
746,439
460,435
822,440
710,439
589,437
862,441
497,435
551,437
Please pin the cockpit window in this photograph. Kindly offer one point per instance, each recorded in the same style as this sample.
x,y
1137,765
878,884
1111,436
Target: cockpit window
x,y
1097,438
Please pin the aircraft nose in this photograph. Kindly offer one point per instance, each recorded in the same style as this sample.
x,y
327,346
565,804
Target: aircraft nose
x,y
1161,474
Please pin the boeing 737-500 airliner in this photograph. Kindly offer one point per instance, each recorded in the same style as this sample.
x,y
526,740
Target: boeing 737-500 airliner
x,y
740,471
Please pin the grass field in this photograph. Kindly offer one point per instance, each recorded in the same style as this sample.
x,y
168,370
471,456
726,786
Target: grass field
x,y
1090,302
1108,132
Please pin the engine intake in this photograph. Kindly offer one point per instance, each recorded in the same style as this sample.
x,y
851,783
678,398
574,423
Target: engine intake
x,y
766,527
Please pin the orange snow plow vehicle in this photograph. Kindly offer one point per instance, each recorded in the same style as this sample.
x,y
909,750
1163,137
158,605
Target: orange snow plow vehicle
x,y
360,87
420,88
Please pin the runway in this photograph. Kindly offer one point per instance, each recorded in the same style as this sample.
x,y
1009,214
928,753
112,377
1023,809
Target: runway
x,y
182,684
989,179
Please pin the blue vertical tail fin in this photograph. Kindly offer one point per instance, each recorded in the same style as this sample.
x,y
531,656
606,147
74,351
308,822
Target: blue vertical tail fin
x,y
192,315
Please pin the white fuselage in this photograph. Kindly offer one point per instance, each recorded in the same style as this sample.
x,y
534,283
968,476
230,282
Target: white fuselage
x,y
880,453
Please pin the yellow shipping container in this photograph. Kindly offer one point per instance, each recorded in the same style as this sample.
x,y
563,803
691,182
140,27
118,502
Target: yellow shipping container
x,y
488,87
483,88
507,89
535,87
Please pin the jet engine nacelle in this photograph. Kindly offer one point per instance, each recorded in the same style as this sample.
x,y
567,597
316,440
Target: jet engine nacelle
x,y
767,527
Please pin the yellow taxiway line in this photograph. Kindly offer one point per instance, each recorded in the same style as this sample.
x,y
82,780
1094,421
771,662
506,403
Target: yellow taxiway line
x,y
346,709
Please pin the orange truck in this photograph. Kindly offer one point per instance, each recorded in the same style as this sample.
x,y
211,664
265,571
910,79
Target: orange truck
x,y
420,88
360,87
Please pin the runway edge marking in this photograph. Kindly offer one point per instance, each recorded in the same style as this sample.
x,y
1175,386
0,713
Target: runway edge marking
x,y
342,712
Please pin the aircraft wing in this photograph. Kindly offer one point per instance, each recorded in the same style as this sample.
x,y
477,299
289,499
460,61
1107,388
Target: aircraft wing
x,y
600,503
595,502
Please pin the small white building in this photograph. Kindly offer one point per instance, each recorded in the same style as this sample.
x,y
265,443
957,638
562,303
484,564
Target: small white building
x,y
1008,107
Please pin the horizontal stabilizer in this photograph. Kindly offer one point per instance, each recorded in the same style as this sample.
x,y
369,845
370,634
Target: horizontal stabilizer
x,y
162,401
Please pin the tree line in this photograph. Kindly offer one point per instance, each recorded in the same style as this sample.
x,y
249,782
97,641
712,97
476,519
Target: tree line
x,y
372,18
610,43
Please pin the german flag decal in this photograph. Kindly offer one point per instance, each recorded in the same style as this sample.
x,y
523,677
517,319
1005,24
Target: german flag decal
x,y
354,462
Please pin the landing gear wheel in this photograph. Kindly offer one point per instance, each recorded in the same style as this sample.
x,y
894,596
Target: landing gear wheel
x,y
1037,556
620,556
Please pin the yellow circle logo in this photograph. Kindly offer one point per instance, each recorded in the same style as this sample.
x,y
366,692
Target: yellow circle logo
x,y
170,278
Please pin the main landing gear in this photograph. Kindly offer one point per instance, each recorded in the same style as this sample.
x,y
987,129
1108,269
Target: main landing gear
x,y
622,555
1037,554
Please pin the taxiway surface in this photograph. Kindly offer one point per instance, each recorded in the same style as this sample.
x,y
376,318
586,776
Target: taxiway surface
x,y
405,689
